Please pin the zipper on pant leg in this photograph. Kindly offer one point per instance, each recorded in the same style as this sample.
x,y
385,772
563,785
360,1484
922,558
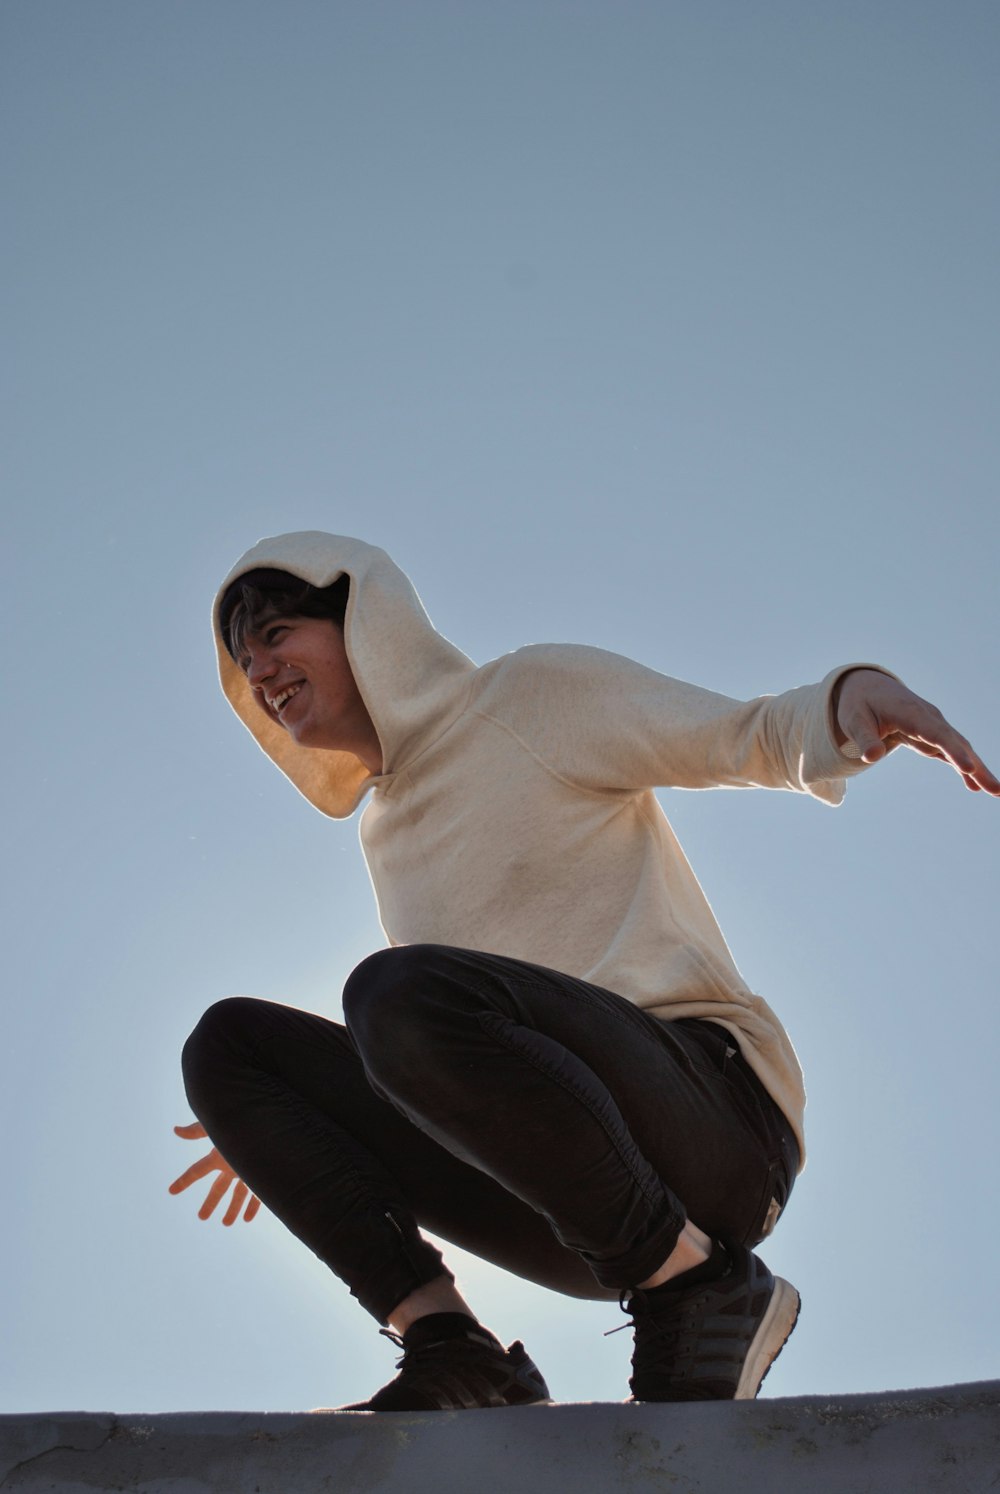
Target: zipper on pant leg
x,y
404,1244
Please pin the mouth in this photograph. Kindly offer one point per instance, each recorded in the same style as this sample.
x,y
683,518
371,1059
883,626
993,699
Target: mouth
x,y
279,701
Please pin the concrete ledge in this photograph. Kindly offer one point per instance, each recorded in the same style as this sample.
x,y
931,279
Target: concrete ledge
x,y
912,1440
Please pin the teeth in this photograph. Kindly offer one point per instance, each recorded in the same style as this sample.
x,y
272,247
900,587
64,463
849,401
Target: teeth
x,y
283,695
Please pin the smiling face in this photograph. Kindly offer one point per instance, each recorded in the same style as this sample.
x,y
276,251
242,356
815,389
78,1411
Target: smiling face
x,y
300,675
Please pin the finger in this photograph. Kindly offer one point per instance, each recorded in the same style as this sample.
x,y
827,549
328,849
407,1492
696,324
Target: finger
x,y
253,1208
978,776
236,1203
926,749
952,748
215,1195
194,1132
983,779
861,725
871,745
958,751
211,1163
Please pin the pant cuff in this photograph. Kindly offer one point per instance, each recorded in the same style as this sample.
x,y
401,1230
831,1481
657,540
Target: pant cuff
x,y
410,1263
642,1260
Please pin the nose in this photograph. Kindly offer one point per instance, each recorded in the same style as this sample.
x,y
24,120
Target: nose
x,y
261,666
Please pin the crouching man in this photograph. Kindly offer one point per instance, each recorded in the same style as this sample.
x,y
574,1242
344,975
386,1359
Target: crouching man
x,y
556,1064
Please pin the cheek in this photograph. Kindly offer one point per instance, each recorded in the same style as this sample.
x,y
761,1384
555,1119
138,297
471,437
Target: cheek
x,y
262,706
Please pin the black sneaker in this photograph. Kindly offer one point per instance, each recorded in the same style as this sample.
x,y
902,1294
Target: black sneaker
x,y
711,1342
457,1374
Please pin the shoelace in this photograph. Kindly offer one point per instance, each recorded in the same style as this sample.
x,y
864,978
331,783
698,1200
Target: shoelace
x,y
413,1353
624,1298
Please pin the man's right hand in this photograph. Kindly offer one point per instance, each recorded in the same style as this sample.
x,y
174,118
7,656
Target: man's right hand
x,y
214,1161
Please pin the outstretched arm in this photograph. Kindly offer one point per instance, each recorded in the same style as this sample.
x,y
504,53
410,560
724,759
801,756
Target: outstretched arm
x,y
214,1161
877,713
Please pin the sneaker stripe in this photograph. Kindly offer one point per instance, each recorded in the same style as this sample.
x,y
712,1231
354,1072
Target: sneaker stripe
x,y
769,1340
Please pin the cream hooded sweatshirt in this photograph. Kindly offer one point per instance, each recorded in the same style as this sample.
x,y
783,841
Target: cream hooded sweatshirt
x,y
515,813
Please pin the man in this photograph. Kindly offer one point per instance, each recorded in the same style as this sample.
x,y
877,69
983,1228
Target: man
x,y
556,1065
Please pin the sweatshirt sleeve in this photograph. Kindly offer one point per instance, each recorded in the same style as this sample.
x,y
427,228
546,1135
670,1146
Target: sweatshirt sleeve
x,y
605,722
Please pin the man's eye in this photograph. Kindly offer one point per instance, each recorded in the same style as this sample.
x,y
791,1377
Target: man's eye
x,y
271,634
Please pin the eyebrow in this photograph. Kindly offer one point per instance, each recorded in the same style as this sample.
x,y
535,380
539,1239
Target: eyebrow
x,y
269,620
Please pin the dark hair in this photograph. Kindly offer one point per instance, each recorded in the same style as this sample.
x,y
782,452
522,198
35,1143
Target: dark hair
x,y
254,598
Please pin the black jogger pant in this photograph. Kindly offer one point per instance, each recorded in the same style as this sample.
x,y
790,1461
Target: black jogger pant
x,y
537,1121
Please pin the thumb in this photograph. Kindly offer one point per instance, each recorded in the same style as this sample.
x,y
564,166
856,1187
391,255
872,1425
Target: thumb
x,y
864,733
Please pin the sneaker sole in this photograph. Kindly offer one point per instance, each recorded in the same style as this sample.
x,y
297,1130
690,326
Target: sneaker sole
x,y
445,1410
774,1332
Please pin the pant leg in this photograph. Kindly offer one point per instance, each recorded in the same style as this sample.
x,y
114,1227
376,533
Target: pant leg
x,y
285,1097
283,1094
611,1125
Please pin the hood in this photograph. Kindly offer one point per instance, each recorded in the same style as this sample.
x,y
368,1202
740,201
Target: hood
x,y
412,680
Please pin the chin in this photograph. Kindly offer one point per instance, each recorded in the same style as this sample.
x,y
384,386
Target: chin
x,y
303,737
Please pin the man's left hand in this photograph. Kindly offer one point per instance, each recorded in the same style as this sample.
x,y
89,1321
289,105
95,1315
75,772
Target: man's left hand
x,y
878,713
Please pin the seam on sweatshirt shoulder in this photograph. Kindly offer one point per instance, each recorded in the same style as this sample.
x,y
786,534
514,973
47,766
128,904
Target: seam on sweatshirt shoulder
x,y
579,788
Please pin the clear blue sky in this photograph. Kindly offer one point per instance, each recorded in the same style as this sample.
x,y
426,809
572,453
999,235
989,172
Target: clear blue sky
x,y
669,327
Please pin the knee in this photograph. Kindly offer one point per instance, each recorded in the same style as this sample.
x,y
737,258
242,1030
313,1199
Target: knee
x,y
385,993
219,1035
